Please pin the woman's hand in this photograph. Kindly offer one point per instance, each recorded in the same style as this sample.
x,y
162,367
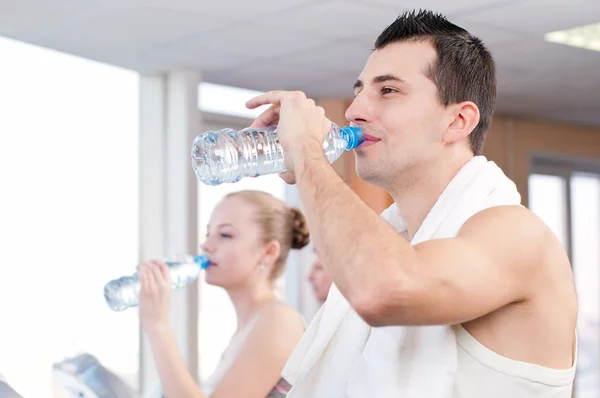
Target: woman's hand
x,y
155,295
155,299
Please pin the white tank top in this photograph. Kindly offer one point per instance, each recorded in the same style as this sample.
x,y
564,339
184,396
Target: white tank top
x,y
227,358
484,373
235,345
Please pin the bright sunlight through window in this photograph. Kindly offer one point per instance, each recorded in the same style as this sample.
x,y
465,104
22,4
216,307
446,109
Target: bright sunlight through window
x,y
69,213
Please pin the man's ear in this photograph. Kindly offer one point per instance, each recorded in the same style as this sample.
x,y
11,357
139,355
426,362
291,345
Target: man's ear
x,y
466,118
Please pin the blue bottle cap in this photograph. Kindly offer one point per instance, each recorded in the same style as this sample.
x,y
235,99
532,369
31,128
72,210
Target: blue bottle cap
x,y
353,135
202,260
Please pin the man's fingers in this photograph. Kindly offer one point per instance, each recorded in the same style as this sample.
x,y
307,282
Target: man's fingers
x,y
267,118
288,177
271,97
275,98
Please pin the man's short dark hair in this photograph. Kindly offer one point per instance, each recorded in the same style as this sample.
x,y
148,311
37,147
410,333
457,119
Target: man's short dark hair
x,y
464,69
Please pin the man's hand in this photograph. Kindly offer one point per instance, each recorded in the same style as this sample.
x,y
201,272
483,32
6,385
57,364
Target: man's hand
x,y
301,124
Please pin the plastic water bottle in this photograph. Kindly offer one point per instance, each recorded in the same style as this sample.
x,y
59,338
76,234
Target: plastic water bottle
x,y
124,292
227,155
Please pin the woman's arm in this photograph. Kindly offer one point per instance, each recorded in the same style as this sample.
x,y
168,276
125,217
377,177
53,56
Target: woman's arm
x,y
155,295
255,370
175,378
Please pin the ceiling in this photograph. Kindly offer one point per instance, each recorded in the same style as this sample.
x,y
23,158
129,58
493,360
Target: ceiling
x,y
318,46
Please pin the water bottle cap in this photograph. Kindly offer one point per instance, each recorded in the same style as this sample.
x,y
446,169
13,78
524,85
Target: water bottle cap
x,y
202,260
353,135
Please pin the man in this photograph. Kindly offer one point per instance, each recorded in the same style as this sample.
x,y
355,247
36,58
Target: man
x,y
470,266
319,279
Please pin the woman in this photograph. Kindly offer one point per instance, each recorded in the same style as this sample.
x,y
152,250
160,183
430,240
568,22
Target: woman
x,y
248,240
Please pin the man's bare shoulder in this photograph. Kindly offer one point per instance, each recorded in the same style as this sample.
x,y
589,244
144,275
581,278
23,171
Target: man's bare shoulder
x,y
539,327
501,218
519,234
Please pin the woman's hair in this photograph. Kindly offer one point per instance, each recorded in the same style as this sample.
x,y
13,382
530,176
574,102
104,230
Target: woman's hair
x,y
278,222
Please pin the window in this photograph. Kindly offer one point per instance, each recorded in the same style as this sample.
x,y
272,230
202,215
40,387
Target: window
x,y
566,195
547,199
69,211
585,208
227,100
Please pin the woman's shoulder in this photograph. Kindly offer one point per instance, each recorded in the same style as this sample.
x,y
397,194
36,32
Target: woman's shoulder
x,y
280,313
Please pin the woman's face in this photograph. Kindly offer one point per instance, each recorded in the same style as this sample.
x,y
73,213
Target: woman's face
x,y
233,244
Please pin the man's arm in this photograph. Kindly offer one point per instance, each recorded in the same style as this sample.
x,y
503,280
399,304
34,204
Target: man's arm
x,y
490,264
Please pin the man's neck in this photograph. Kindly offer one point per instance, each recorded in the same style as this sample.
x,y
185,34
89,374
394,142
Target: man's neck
x,y
421,189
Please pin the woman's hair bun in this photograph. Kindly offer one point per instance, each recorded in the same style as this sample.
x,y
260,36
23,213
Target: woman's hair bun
x,y
300,234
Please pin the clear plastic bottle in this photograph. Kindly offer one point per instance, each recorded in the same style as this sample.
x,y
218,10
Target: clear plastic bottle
x,y
124,292
227,155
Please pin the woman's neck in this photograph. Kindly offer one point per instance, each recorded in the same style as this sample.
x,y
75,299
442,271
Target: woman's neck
x,y
247,301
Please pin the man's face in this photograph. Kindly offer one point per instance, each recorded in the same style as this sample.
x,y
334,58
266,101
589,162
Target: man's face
x,y
398,108
320,280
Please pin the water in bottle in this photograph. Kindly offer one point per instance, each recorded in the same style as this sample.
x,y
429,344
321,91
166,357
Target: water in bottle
x,y
124,292
227,155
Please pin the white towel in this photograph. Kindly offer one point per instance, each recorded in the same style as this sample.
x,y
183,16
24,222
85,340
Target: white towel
x,y
342,356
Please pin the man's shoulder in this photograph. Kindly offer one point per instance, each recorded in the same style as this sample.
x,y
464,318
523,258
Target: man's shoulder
x,y
517,233
508,221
